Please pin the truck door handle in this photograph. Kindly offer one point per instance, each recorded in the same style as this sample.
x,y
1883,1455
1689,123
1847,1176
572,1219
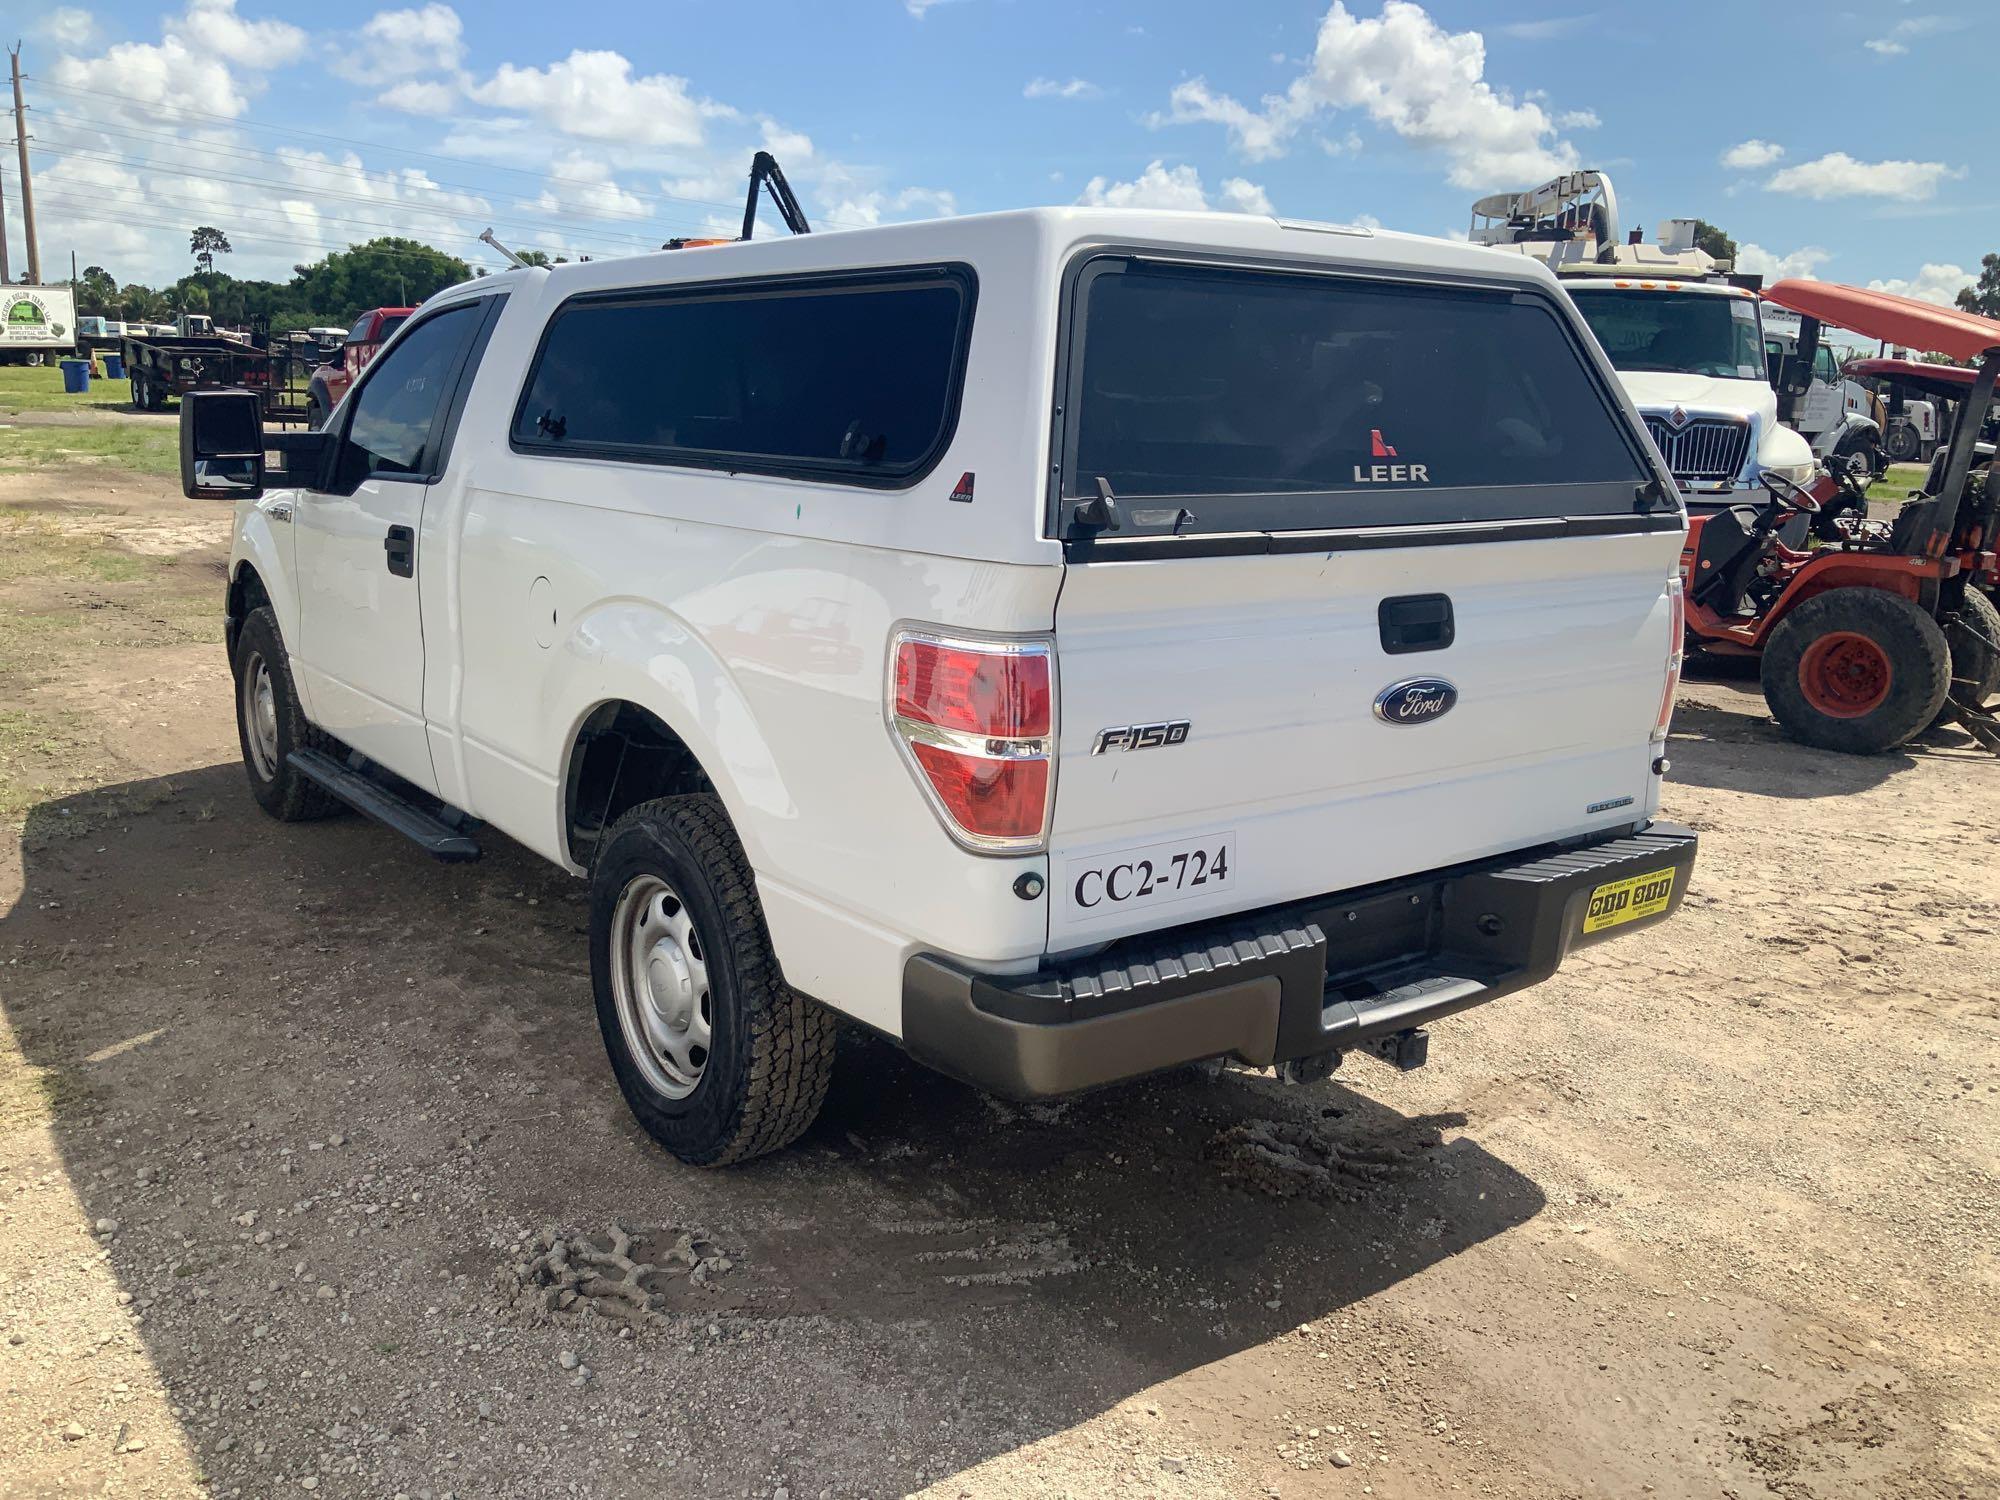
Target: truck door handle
x,y
401,545
1415,622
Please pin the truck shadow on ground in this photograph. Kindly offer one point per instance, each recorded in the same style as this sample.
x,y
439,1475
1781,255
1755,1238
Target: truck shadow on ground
x,y
336,1097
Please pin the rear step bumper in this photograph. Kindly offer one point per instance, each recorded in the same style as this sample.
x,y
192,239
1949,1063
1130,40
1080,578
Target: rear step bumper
x,y
1359,969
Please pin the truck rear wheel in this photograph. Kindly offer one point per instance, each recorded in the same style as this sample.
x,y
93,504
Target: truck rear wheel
x,y
1901,444
718,1058
270,725
1858,670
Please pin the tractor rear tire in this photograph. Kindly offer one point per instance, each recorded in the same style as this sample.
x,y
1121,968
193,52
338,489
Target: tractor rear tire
x,y
1973,635
1859,670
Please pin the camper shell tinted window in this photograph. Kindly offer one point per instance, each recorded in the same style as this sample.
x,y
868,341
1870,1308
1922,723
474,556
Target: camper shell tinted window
x,y
1225,399
852,377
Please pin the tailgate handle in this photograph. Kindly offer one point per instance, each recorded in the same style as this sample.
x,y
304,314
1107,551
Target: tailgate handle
x,y
1415,622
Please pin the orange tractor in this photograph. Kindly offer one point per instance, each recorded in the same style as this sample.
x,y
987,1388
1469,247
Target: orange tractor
x,y
1879,629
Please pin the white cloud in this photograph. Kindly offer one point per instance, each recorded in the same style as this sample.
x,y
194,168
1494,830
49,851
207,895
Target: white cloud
x,y
1802,264
1048,88
581,186
1244,197
1747,156
1838,175
1578,119
1164,187
918,8
402,44
1407,73
206,54
793,146
1156,187
866,209
1932,283
1546,30
594,96
214,28
68,26
424,40
420,96
1896,43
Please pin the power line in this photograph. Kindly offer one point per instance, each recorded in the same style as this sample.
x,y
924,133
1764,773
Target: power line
x,y
347,141
300,244
121,159
340,170
81,205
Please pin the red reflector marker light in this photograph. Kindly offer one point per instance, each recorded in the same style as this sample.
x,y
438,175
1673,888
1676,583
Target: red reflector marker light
x,y
977,717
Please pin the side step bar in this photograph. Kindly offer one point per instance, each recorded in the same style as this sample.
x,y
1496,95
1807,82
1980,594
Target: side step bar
x,y
429,832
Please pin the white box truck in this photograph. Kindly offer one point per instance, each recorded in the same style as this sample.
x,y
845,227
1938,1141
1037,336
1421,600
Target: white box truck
x,y
37,324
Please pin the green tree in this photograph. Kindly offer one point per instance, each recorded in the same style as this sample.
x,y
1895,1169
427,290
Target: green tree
x,y
97,293
387,272
1984,298
204,244
1714,241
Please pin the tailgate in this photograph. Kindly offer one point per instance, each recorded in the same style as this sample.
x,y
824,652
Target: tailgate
x,y
1273,484
1286,782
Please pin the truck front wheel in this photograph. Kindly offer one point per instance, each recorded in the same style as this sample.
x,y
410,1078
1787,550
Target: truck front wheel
x,y
270,724
1856,669
719,1059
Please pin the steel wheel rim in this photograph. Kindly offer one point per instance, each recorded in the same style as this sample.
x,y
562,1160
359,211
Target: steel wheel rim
x,y
259,708
659,982
1846,675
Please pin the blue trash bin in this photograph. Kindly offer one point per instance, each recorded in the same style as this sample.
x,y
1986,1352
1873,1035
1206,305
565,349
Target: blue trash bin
x,y
114,367
76,376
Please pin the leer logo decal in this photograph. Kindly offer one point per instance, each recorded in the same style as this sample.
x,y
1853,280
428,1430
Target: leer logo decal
x,y
1380,473
1416,700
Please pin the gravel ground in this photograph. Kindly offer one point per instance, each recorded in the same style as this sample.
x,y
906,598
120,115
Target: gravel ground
x,y
313,1176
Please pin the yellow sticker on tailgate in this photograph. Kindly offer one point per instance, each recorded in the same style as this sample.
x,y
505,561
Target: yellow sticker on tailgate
x,y
1629,900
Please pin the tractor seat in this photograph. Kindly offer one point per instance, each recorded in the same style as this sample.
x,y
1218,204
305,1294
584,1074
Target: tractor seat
x,y
1725,559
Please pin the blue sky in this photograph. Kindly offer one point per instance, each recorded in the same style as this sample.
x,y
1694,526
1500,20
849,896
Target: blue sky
x,y
1837,145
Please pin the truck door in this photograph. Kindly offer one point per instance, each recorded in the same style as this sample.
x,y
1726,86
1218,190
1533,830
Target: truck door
x,y
360,649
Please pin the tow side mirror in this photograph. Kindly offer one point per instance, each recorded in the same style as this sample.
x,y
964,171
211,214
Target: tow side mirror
x,y
222,445
1795,375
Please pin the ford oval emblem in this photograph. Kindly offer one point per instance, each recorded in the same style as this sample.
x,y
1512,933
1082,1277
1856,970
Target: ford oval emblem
x,y
1415,700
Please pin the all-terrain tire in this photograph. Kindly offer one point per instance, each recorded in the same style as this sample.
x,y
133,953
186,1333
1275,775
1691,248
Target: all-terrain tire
x,y
770,1051
279,789
1862,712
1973,636
1902,444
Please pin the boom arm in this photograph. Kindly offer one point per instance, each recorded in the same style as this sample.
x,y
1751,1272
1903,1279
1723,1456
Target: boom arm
x,y
766,173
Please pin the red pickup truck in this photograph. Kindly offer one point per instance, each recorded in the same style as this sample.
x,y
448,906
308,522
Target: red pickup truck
x,y
364,341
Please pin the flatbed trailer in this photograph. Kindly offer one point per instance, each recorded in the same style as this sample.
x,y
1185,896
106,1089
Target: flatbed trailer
x,y
165,367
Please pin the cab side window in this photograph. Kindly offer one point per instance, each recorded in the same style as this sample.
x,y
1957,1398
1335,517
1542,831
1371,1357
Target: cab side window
x,y
1824,367
398,408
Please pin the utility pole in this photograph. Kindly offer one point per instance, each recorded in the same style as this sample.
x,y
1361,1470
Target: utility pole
x,y
27,182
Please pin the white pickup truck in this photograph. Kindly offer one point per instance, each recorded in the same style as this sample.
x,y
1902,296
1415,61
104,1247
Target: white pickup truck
x,y
1074,643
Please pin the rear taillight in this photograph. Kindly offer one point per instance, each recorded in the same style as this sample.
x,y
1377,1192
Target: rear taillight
x,y
1676,647
978,720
